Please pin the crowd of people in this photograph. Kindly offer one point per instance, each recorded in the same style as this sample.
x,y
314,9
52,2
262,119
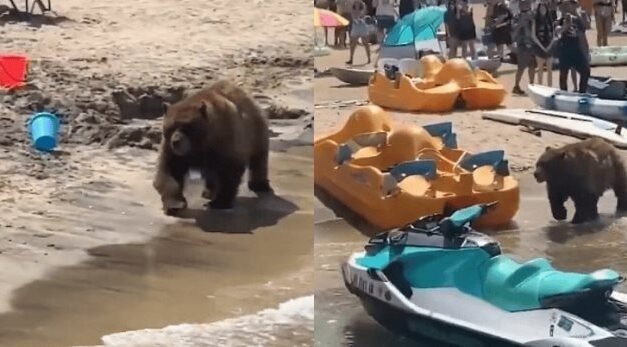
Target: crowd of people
x,y
535,32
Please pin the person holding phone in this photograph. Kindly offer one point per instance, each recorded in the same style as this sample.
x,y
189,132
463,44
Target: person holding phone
x,y
572,45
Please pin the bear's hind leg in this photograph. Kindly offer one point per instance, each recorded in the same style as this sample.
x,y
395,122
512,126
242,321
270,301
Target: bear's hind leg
x,y
258,181
621,197
229,178
585,207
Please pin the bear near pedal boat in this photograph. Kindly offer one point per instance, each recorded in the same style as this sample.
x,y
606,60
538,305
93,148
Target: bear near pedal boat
x,y
439,89
392,176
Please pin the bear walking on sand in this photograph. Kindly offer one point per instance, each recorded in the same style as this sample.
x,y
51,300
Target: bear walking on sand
x,y
582,171
219,131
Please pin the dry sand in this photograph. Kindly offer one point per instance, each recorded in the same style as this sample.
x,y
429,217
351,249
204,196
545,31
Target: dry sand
x,y
474,133
105,68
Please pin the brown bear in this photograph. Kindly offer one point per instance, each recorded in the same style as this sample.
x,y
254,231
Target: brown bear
x,y
219,131
582,171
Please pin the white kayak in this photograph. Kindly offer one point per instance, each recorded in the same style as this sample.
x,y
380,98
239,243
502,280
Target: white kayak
x,y
585,104
565,123
608,56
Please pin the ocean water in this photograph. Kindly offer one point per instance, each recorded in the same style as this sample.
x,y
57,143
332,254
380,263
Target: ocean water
x,y
289,324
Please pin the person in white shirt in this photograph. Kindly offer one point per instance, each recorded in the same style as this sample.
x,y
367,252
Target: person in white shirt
x,y
386,15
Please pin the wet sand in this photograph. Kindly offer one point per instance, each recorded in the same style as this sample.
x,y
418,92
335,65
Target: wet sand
x,y
339,317
255,257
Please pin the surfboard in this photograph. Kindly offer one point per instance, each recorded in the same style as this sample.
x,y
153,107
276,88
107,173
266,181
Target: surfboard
x,y
565,123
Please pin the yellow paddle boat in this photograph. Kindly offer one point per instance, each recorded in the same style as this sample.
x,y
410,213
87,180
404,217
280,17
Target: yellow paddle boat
x,y
438,90
392,176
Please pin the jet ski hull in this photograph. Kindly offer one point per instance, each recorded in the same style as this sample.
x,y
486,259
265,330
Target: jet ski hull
x,y
397,312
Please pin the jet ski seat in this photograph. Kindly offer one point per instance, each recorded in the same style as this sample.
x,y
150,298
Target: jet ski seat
x,y
517,287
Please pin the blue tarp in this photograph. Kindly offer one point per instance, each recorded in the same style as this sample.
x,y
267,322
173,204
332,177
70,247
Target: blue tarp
x,y
420,25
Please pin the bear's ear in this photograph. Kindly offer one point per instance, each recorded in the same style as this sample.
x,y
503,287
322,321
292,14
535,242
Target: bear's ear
x,y
165,107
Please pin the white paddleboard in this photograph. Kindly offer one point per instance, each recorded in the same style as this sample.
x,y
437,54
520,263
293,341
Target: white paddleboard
x,y
565,123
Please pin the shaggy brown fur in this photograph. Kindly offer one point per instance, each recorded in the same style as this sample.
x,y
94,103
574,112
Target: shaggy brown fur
x,y
582,171
220,131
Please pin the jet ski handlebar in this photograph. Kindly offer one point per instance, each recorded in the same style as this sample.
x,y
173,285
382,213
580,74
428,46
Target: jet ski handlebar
x,y
458,222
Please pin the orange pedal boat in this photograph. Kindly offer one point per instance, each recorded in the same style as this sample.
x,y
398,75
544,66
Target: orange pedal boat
x,y
393,176
441,85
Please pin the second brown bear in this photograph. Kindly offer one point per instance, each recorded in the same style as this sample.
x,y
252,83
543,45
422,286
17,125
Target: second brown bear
x,y
582,171
221,132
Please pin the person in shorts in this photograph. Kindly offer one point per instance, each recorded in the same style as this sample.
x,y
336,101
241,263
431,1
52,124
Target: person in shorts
x,y
525,59
385,14
359,30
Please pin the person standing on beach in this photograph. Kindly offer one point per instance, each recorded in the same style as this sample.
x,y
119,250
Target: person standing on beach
x,y
604,17
450,24
542,31
525,59
344,10
406,7
502,27
386,16
467,33
323,4
572,45
359,30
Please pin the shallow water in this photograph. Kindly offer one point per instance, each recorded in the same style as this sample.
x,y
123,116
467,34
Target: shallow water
x,y
204,268
341,321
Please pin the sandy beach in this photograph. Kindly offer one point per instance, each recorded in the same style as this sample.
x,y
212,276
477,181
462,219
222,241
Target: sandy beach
x,y
85,249
339,318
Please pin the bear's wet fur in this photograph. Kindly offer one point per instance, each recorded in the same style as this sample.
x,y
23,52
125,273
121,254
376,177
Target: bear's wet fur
x,y
582,171
219,131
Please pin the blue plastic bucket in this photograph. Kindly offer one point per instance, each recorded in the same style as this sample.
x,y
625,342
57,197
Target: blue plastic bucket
x,y
44,129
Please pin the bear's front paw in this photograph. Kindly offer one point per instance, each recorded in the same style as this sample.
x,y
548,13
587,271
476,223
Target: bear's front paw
x,y
559,213
172,206
260,186
580,218
221,205
208,194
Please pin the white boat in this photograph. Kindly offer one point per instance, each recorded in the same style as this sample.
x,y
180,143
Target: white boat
x,y
586,104
608,56
356,77
570,124
487,64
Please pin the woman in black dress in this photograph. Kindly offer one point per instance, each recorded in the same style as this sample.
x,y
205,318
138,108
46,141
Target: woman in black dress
x,y
467,33
502,27
542,31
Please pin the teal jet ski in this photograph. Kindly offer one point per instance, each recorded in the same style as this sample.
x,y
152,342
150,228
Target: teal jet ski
x,y
440,279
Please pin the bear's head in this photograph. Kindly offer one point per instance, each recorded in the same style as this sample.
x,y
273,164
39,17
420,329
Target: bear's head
x,y
549,163
186,127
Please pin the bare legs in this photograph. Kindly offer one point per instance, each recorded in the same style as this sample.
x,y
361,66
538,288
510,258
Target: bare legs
x,y
541,64
353,46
